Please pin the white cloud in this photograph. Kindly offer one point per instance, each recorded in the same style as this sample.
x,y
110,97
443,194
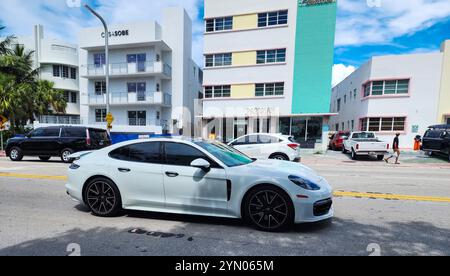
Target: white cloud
x,y
340,72
359,24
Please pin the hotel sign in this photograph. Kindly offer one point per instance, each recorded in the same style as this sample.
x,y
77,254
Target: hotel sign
x,y
117,33
314,2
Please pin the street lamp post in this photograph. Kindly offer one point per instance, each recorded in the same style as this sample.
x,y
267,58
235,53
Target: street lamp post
x,y
106,56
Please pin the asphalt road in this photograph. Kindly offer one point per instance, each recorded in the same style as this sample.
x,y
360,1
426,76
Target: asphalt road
x,y
37,218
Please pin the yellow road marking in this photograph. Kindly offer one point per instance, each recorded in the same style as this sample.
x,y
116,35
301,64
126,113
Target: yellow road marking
x,y
33,176
391,196
336,193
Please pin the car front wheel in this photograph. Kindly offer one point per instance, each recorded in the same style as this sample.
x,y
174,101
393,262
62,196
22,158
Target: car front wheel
x,y
103,197
268,208
16,154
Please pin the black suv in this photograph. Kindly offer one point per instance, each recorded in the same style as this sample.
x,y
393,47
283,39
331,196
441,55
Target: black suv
x,y
57,142
437,140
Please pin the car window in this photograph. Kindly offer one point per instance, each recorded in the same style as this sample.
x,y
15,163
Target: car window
x,y
228,155
74,132
50,132
37,133
142,153
178,154
241,141
364,135
98,134
267,139
432,134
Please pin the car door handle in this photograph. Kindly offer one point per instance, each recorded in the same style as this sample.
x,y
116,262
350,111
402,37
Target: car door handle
x,y
124,170
172,174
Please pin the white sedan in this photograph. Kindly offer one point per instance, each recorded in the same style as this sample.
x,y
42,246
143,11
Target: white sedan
x,y
198,177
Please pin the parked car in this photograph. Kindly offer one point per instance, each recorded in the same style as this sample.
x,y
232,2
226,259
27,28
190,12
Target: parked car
x,y
56,142
268,146
337,140
437,141
198,177
365,144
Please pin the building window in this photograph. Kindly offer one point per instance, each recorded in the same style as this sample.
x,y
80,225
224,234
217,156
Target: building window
x,y
218,60
100,115
272,18
223,91
64,72
345,99
137,118
100,88
66,96
56,71
73,97
385,124
99,59
391,87
219,24
158,87
269,89
158,115
355,93
338,105
271,56
73,73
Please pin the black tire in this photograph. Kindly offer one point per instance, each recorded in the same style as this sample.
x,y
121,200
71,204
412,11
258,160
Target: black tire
x,y
354,155
65,155
268,208
15,154
279,156
103,197
380,157
344,151
44,158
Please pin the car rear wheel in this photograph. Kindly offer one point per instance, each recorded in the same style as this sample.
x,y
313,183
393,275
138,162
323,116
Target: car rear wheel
x,y
354,155
65,155
279,156
44,158
16,154
268,208
103,197
380,157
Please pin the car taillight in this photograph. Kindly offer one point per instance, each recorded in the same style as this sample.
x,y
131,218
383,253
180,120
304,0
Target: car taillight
x,y
357,147
294,146
88,138
340,141
388,146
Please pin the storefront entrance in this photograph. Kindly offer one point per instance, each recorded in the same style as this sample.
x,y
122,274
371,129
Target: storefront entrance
x,y
307,131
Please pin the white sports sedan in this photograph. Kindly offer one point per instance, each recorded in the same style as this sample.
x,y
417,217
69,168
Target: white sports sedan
x,y
198,177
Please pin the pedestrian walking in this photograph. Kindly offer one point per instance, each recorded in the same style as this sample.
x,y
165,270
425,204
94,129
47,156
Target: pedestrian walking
x,y
396,148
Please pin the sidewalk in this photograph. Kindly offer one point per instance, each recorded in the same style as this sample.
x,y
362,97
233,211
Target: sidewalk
x,y
2,154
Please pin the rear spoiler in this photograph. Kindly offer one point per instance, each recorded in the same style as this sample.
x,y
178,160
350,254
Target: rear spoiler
x,y
79,155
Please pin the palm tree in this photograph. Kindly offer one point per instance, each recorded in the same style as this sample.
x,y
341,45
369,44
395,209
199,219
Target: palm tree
x,y
5,44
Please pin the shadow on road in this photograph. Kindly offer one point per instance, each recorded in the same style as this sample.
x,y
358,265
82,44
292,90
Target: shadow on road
x,y
230,237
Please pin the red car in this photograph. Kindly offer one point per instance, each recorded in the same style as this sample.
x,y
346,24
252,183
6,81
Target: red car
x,y
337,140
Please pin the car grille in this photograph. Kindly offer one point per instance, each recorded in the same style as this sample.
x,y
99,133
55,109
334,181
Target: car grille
x,y
322,207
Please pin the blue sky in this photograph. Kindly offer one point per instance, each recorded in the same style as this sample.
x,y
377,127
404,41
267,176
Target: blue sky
x,y
364,27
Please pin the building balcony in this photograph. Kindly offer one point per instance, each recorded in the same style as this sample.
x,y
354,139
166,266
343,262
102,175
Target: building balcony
x,y
139,98
60,120
125,70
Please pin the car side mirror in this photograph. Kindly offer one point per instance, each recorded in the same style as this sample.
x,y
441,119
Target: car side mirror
x,y
201,164
344,137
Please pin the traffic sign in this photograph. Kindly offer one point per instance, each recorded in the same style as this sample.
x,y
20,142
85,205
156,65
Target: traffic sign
x,y
109,118
3,123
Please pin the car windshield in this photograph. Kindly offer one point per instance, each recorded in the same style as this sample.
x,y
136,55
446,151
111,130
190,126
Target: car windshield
x,y
364,135
228,155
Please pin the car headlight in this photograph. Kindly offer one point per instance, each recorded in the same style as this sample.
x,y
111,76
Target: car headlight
x,y
303,183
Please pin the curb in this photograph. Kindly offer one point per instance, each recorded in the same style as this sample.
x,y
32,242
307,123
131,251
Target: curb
x,y
2,154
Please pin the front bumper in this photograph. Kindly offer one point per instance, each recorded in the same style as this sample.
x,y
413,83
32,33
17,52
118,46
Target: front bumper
x,y
314,209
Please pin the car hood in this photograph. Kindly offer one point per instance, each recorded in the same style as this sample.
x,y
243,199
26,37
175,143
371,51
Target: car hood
x,y
281,169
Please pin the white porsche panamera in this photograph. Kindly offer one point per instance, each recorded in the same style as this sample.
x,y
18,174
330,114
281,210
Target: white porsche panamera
x,y
198,177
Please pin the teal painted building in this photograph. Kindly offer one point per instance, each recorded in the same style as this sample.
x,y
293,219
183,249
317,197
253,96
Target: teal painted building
x,y
268,68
